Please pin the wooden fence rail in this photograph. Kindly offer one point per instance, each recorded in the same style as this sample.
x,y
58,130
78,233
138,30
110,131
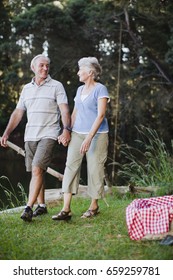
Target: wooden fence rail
x,y
20,151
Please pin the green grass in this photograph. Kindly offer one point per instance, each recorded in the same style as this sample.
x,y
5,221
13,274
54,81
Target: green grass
x,y
148,163
104,237
15,197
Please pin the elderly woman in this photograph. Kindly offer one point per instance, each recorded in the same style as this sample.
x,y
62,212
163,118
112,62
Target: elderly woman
x,y
89,136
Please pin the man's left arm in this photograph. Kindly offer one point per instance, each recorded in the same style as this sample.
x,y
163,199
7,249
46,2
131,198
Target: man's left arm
x,y
65,137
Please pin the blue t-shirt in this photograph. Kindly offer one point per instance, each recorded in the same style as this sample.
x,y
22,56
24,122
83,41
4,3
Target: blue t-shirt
x,y
87,110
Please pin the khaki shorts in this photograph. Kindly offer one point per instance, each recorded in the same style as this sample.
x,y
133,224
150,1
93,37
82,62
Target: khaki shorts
x,y
39,153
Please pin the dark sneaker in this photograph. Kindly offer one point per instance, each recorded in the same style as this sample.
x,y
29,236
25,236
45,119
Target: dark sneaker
x,y
27,214
39,211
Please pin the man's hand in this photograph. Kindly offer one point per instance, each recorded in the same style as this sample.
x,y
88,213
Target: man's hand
x,y
64,138
4,139
15,118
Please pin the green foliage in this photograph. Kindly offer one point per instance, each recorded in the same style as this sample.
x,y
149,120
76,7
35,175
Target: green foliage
x,y
15,198
132,37
148,163
48,15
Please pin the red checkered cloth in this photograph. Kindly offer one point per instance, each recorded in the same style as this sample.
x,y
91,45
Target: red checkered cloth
x,y
149,216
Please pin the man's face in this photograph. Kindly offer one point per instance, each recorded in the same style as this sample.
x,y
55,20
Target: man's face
x,y
41,68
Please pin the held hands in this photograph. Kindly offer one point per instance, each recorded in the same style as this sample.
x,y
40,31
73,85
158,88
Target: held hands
x,y
64,138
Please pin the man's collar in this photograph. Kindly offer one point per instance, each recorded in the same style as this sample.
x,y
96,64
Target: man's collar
x,y
45,81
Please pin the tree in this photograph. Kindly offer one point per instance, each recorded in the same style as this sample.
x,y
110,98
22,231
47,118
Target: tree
x,y
133,39
9,67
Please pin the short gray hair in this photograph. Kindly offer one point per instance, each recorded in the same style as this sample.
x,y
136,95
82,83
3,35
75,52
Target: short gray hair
x,y
93,64
35,58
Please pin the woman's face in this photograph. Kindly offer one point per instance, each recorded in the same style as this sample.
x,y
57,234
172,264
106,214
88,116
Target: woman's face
x,y
84,73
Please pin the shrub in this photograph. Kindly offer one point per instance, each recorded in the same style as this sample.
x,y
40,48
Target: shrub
x,y
148,163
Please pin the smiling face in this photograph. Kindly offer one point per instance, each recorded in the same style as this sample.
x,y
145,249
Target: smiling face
x,y
41,68
84,74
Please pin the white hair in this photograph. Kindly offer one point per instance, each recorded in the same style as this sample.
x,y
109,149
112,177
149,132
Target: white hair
x,y
93,64
36,57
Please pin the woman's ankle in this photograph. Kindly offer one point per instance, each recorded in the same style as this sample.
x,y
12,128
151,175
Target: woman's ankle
x,y
66,209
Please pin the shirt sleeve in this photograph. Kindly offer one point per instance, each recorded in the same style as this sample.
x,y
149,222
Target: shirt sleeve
x,y
103,92
61,96
77,93
20,104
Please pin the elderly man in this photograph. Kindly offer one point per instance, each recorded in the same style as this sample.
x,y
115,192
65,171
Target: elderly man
x,y
45,102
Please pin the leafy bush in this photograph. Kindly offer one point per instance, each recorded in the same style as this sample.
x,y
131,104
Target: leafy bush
x,y
148,163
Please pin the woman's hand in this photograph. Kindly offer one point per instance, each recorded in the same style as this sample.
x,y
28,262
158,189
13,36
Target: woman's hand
x,y
85,145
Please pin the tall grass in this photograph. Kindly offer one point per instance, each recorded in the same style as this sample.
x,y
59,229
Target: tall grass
x,y
148,163
14,197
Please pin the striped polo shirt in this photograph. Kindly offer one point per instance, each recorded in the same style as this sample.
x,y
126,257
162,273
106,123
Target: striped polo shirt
x,y
41,105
